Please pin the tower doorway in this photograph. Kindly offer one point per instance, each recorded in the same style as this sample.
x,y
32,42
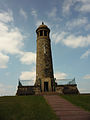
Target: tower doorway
x,y
45,86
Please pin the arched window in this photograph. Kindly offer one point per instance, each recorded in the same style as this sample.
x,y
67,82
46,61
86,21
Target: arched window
x,y
45,33
41,32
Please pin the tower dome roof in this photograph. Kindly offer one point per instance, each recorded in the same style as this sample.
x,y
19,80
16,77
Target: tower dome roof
x,y
42,26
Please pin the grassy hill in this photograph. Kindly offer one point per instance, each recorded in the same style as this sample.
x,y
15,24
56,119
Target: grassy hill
x,y
82,101
25,108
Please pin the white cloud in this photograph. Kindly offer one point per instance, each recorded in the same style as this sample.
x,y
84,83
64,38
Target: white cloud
x,y
76,41
52,13
34,13
87,27
38,23
71,40
87,76
58,37
59,75
28,75
3,60
66,6
7,90
11,39
82,6
28,58
77,22
23,13
6,16
86,54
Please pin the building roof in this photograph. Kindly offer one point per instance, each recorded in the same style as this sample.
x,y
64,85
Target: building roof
x,y
43,26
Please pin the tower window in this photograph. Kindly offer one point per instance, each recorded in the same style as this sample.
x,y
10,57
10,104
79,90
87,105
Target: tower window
x,y
45,33
41,33
38,34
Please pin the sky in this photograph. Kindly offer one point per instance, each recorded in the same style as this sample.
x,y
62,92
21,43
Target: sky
x,y
69,22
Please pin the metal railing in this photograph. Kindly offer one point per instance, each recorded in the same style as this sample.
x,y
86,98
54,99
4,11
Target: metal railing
x,y
25,82
66,81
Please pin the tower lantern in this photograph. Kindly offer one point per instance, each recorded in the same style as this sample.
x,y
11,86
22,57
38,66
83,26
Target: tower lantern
x,y
44,66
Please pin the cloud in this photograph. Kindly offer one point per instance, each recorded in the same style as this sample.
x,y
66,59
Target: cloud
x,y
77,22
7,90
28,58
28,75
53,15
11,39
11,42
86,54
87,27
71,40
77,41
6,16
86,76
60,75
38,23
66,6
58,37
3,60
82,6
34,13
23,13
53,12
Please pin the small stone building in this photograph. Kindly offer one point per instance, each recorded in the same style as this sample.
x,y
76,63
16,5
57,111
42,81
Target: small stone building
x,y
45,81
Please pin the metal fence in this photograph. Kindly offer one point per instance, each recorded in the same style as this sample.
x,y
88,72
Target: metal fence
x,y
66,81
25,82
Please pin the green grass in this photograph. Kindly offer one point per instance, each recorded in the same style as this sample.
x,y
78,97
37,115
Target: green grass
x,y
25,108
82,101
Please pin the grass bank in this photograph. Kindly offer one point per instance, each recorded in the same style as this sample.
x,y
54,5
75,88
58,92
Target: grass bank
x,y
82,101
25,108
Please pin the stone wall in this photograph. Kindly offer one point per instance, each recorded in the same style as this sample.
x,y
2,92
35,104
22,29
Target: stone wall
x,y
67,89
28,90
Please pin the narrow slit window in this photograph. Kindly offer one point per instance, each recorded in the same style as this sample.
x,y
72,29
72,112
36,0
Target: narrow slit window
x,y
41,33
38,34
45,33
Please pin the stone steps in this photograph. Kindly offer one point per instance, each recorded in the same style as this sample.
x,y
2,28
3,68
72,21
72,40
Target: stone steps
x,y
48,93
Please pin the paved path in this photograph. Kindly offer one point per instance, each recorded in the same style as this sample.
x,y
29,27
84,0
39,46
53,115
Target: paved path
x,y
65,110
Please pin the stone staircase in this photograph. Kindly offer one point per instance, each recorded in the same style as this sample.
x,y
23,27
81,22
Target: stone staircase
x,y
48,93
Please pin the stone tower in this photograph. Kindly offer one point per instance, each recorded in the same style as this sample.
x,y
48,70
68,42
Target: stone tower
x,y
44,66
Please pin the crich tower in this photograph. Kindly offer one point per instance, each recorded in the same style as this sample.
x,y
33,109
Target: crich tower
x,y
44,65
45,81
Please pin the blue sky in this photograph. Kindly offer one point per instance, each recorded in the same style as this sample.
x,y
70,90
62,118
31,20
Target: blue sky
x,y
69,22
